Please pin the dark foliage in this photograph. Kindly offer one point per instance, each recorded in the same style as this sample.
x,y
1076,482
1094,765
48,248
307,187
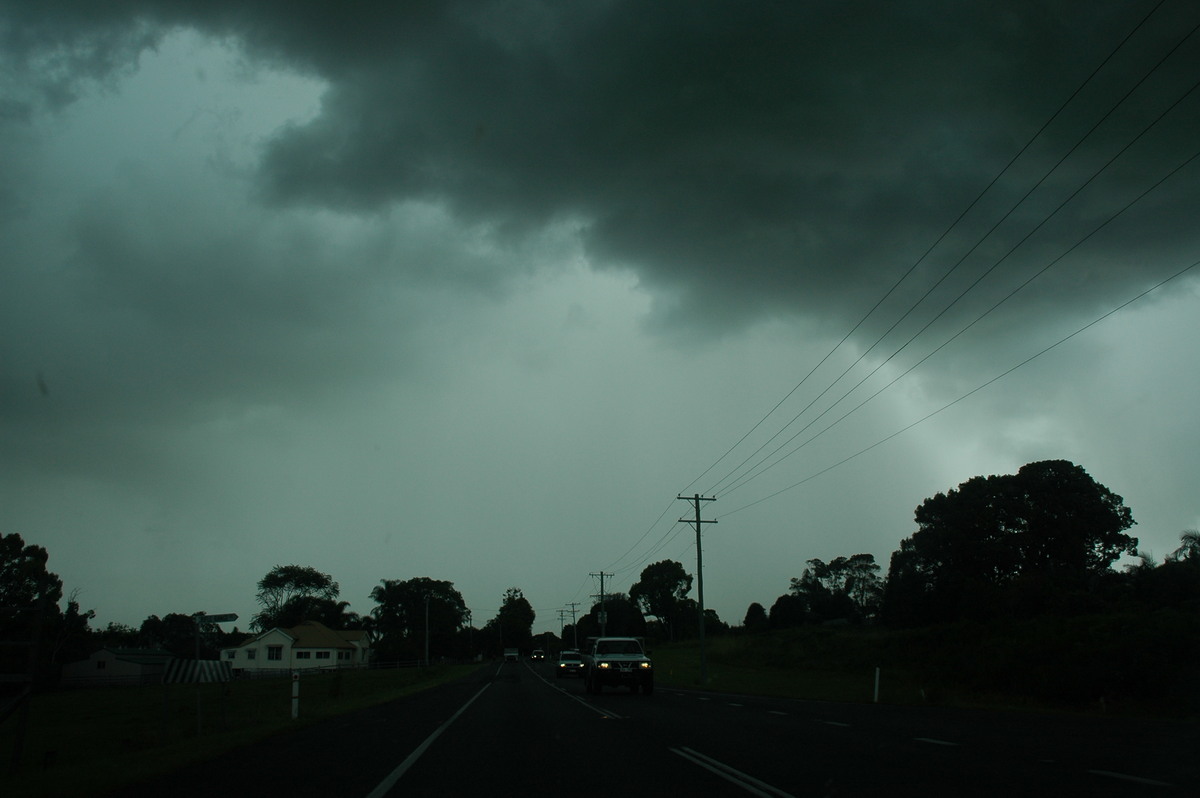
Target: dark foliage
x,y
660,592
281,594
1007,543
407,609
756,618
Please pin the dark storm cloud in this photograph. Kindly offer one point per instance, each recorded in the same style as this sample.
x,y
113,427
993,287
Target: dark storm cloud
x,y
744,159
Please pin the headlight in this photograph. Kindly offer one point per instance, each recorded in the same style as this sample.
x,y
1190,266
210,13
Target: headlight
x,y
603,665
645,665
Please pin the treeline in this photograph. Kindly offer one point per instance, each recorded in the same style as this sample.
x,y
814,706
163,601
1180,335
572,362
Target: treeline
x,y
1039,542
413,619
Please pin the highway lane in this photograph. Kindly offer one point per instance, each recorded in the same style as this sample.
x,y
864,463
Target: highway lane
x,y
816,748
522,735
529,731
513,729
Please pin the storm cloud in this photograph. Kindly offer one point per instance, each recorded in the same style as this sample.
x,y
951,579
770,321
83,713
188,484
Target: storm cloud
x,y
493,281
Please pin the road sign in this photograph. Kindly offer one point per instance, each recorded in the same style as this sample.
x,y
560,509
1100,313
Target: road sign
x,y
226,618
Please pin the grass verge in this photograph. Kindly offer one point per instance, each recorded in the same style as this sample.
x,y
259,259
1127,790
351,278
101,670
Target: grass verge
x,y
1120,664
89,741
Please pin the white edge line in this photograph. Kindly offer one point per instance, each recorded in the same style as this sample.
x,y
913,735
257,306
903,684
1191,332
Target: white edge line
x,y
932,741
388,783
604,713
732,775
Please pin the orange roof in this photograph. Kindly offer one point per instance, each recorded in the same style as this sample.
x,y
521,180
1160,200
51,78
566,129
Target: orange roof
x,y
314,634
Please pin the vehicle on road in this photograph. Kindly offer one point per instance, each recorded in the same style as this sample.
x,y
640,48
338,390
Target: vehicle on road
x,y
511,655
618,661
538,654
570,663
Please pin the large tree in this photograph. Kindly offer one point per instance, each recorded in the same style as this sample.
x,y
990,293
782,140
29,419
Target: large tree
x,y
845,587
623,618
514,621
286,585
29,595
402,612
1050,525
661,590
24,578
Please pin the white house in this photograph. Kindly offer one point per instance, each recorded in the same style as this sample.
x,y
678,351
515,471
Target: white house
x,y
311,644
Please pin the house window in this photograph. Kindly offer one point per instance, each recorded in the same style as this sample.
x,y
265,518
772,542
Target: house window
x,y
342,655
230,654
302,654
251,652
322,655
100,664
275,652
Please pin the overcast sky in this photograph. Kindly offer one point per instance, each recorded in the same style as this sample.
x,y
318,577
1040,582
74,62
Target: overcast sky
x,y
474,290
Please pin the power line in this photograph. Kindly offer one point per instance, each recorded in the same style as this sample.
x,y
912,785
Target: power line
x,y
759,468
922,258
970,393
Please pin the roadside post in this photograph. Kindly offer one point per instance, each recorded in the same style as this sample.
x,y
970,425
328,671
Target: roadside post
x,y
202,619
295,694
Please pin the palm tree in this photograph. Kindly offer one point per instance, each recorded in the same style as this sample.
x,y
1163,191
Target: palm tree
x,y
1189,547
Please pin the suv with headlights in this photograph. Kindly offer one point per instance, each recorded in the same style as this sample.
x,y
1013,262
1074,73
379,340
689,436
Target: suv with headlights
x,y
613,661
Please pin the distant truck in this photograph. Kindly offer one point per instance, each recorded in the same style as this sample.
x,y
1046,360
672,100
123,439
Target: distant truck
x,y
617,661
511,655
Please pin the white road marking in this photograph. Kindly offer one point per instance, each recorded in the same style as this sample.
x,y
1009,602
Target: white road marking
x,y
732,775
604,713
932,741
386,785
836,723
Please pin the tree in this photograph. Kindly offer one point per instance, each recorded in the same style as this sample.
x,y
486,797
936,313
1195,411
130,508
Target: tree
x,y
788,611
29,595
624,618
846,587
514,621
1050,525
24,578
400,618
287,584
660,591
1189,548
176,633
72,633
756,618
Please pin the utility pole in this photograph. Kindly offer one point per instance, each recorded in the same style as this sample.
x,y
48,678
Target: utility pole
x,y
695,500
574,626
603,612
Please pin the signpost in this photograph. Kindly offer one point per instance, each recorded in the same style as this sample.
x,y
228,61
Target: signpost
x,y
225,618
201,619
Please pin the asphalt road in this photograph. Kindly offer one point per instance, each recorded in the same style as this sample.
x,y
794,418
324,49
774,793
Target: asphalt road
x,y
512,729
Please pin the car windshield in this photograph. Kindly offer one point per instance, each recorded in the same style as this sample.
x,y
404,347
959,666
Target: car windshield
x,y
619,647
570,657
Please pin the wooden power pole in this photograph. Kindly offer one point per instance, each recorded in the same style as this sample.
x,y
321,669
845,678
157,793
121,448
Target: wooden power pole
x,y
695,500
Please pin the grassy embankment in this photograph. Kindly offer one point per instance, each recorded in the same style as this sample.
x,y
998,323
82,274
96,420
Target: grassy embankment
x,y
1121,664
87,741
